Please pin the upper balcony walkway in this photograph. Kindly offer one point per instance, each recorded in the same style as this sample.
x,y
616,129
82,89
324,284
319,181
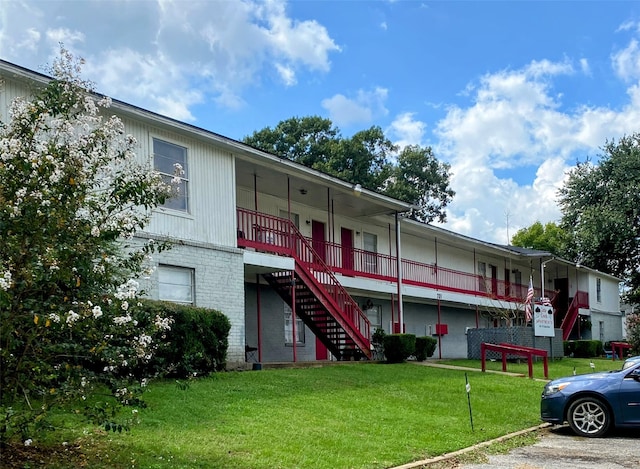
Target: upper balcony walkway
x,y
270,234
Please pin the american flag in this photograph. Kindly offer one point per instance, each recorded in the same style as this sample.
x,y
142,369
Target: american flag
x,y
527,304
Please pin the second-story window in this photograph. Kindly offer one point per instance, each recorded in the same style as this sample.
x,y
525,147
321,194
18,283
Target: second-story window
x,y
370,245
598,290
482,276
170,160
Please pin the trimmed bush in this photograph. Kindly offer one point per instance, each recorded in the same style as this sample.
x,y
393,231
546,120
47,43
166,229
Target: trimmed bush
x,y
583,348
399,347
425,346
196,344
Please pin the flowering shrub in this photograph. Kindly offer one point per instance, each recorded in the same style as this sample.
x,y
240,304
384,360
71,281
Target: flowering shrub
x,y
71,195
633,332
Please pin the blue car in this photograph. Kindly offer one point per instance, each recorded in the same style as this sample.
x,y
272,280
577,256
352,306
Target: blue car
x,y
595,402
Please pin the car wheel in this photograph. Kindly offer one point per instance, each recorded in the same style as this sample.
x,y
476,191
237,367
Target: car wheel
x,y
589,417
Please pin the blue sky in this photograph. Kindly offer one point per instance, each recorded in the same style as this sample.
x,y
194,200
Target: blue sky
x,y
509,93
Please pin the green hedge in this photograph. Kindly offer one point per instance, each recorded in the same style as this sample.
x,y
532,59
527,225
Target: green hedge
x,y
425,346
399,347
583,348
196,344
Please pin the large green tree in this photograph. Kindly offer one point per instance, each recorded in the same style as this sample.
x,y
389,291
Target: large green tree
x,y
549,237
419,178
367,158
600,204
306,140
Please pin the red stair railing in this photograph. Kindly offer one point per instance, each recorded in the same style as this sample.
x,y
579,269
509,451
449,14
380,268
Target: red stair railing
x,y
279,235
580,300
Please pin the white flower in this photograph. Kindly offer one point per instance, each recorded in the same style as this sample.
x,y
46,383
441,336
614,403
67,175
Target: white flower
x,y
95,231
28,442
5,281
163,324
121,320
96,311
72,317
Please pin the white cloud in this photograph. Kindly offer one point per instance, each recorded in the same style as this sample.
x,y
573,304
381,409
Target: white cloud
x,y
585,67
287,74
626,62
155,53
515,121
406,130
361,109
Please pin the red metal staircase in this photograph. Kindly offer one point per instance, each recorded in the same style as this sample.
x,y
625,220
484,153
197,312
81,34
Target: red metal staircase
x,y
580,300
320,300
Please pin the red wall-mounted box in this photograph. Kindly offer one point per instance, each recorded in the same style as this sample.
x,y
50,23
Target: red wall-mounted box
x,y
442,329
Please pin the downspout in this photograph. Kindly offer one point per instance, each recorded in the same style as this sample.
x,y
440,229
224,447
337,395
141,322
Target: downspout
x,y
259,318
439,331
255,192
293,281
399,267
293,316
289,222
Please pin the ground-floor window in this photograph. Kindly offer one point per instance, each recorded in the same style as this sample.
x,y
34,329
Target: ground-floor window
x,y
374,314
288,327
176,284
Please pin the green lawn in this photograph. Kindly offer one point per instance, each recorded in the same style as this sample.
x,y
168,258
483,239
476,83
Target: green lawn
x,y
355,415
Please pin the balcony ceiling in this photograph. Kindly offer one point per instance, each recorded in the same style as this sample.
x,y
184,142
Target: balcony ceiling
x,y
312,188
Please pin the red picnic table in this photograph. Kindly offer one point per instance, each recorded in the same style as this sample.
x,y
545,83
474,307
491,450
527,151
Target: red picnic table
x,y
512,349
619,347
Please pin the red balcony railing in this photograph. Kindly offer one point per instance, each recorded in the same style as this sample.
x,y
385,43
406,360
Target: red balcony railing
x,y
273,234
278,235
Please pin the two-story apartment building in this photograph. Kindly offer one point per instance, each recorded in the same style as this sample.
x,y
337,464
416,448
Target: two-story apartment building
x,y
307,266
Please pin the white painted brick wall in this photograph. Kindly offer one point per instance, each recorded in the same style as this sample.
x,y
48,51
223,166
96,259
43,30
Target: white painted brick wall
x,y
219,284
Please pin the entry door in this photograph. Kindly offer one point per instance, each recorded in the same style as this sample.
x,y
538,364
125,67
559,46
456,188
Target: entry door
x,y
321,350
346,241
318,239
507,283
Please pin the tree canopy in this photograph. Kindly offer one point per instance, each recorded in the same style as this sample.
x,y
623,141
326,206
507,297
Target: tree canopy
x,y
549,237
601,212
412,174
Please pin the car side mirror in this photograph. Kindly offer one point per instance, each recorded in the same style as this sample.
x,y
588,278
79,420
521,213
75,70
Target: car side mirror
x,y
635,374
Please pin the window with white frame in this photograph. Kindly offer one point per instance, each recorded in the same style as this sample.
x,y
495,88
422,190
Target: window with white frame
x,y
374,315
170,160
598,290
288,327
370,245
482,276
176,284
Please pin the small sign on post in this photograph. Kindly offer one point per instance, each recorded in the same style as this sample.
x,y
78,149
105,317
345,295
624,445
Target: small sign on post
x,y
543,320
468,389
